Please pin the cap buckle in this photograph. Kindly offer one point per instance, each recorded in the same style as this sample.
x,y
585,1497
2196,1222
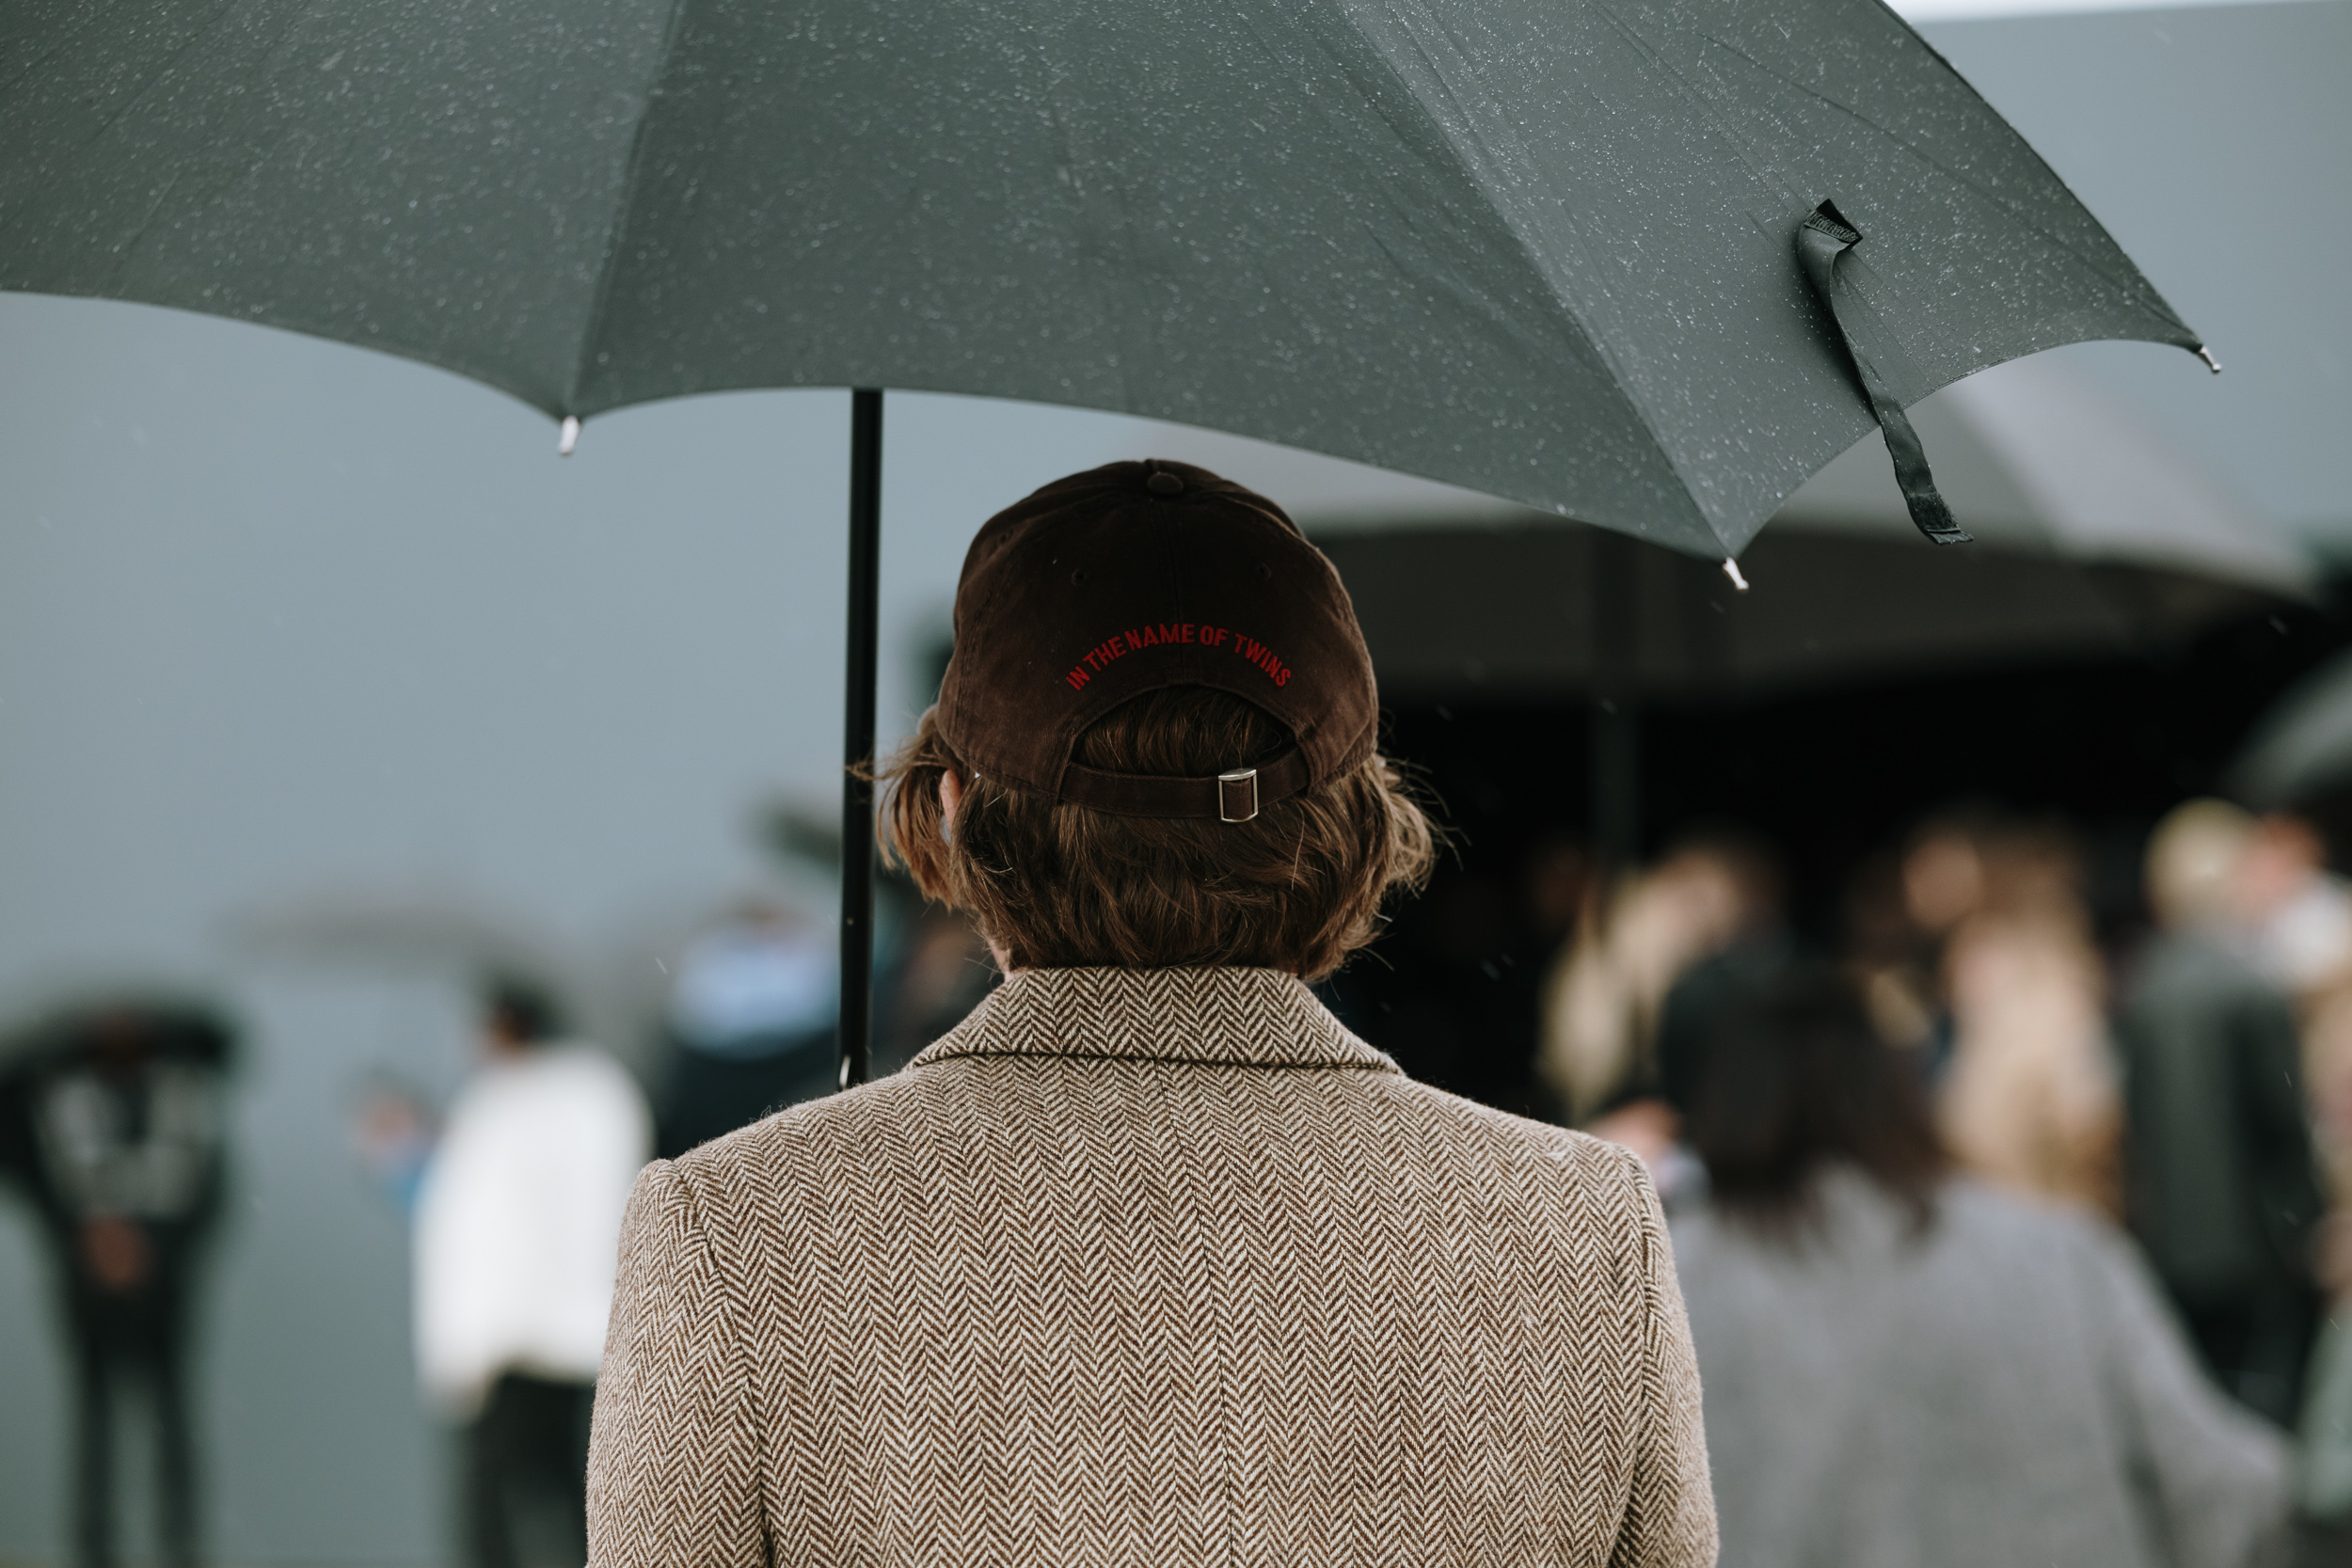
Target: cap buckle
x,y
1237,794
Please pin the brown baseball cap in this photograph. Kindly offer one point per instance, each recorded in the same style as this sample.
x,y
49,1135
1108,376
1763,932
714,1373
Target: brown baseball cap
x,y
1132,577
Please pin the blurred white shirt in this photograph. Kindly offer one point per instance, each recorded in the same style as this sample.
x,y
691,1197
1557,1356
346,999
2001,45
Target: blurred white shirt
x,y
2306,943
518,1221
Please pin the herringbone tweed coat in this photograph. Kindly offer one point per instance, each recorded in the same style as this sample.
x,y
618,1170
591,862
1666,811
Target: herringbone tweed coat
x,y
1148,1267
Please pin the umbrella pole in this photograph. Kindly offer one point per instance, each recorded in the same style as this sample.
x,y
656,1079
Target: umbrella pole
x,y
857,737
1615,733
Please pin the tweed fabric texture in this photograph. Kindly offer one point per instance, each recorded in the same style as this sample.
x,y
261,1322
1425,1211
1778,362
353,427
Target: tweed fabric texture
x,y
1148,1267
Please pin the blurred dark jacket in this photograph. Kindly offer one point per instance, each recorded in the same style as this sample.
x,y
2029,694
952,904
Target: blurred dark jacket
x,y
113,1123
144,1142
2220,1185
752,1021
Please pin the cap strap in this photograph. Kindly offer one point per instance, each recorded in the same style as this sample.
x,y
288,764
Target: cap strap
x,y
1148,794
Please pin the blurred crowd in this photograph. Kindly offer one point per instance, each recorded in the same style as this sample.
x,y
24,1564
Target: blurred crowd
x,y
115,1131
2181,1080
517,1187
1979,1187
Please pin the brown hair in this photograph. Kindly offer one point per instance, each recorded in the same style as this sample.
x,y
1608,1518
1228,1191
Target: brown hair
x,y
1797,1079
1298,888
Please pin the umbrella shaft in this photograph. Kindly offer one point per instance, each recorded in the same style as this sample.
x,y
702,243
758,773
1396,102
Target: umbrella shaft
x,y
1615,732
857,737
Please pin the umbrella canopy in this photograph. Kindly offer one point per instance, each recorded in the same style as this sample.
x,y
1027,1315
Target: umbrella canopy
x,y
2040,462
2301,748
1547,251
1649,266
2095,537
1526,612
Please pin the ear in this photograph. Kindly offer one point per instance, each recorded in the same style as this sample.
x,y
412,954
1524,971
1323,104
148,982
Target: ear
x,y
950,797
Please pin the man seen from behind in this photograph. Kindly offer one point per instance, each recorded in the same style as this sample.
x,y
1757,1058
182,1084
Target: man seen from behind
x,y
1149,1260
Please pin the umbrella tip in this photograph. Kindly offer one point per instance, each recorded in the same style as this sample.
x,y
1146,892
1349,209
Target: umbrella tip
x,y
2206,355
568,437
1731,570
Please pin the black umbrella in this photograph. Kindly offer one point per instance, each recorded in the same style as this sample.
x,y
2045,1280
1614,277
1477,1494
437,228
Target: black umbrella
x,y
2096,538
1649,266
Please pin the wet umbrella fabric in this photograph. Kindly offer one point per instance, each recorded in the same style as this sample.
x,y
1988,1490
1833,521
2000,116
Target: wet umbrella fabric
x,y
1545,251
2300,751
2096,535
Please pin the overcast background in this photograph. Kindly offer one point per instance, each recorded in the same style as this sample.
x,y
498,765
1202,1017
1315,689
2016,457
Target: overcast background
x,y
280,619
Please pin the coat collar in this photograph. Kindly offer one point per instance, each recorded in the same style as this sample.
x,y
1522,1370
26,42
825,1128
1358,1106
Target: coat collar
x,y
1229,1016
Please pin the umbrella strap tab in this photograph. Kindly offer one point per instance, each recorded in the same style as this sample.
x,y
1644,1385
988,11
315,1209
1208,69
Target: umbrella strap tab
x,y
1824,241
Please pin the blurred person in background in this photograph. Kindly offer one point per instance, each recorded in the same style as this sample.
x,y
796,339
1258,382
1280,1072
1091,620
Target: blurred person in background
x,y
1957,865
2029,1098
2296,907
2298,913
1901,908
1904,1366
1151,1259
1711,911
2324,1434
393,1134
1756,949
113,1126
517,1228
753,1013
2327,1077
1891,958
941,970
1457,998
1942,879
2219,1181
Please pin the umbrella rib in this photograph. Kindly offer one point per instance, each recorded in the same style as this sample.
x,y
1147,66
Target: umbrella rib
x,y
1475,172
608,266
125,253
32,68
2136,287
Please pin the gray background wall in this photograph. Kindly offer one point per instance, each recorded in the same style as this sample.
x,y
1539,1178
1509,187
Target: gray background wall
x,y
278,616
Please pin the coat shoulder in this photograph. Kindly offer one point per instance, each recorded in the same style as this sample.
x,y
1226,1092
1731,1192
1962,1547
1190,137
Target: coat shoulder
x,y
777,1140
1606,1181
881,1133
1504,1131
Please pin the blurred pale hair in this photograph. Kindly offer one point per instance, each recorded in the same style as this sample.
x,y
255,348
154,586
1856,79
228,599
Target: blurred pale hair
x,y
1603,996
2030,1100
2193,862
